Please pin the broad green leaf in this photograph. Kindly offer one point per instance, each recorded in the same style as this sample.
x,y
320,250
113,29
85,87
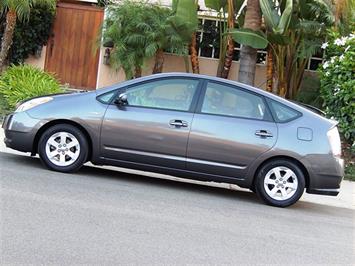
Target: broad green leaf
x,y
285,17
216,5
187,10
255,39
270,14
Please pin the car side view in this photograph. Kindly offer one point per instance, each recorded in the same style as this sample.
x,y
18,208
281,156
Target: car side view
x,y
190,126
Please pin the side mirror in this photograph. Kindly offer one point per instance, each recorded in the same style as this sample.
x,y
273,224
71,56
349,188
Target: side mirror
x,y
121,99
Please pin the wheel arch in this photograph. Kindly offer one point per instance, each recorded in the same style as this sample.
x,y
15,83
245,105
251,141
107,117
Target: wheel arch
x,y
57,122
283,157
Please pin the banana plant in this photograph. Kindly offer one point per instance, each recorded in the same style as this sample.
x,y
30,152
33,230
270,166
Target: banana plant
x,y
226,12
277,20
295,29
185,22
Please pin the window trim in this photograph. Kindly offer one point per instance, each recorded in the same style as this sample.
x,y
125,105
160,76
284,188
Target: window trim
x,y
274,116
267,117
193,102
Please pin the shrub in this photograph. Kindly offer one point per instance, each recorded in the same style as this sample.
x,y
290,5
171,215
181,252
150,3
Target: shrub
x,y
21,82
338,84
30,35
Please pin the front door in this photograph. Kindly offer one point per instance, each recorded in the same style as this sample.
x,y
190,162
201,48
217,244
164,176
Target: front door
x,y
71,51
154,125
230,130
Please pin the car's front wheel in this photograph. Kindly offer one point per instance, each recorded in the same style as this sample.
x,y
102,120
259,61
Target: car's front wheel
x,y
63,148
280,183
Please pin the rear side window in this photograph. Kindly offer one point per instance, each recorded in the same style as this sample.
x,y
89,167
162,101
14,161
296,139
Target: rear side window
x,y
282,113
230,101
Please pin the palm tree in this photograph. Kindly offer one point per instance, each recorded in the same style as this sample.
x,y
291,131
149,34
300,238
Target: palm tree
x,y
185,22
16,9
128,40
248,54
161,36
195,65
140,31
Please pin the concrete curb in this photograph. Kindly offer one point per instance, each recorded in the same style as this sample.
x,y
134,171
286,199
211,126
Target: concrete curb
x,y
345,199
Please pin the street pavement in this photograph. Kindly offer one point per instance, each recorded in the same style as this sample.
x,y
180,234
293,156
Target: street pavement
x,y
111,216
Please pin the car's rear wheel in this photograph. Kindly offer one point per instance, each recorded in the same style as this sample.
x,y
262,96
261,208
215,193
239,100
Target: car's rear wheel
x,y
280,183
63,148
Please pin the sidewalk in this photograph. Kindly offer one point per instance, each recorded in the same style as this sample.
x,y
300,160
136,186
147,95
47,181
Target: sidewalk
x,y
345,199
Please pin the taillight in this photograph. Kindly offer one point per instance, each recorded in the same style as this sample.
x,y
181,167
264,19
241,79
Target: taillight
x,y
334,141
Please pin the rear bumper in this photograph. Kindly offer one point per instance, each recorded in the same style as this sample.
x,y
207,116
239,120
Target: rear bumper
x,y
325,191
325,174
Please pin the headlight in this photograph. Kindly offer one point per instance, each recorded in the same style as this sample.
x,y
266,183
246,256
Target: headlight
x,y
32,103
334,141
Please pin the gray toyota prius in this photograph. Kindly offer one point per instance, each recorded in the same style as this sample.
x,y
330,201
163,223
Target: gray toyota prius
x,y
191,126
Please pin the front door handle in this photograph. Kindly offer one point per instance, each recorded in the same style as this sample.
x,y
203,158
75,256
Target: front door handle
x,y
178,123
263,133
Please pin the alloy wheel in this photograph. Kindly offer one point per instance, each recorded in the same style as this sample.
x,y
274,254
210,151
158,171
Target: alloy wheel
x,y
280,183
62,149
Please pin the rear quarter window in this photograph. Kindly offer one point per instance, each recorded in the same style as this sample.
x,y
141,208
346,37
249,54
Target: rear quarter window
x,y
282,113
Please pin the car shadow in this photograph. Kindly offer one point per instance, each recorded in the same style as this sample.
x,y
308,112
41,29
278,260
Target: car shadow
x,y
165,182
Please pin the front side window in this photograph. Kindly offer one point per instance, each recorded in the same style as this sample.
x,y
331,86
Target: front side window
x,y
224,100
172,94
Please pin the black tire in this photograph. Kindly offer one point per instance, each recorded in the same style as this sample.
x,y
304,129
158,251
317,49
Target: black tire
x,y
83,151
269,167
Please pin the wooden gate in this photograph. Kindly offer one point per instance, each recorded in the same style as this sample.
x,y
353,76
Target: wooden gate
x,y
72,52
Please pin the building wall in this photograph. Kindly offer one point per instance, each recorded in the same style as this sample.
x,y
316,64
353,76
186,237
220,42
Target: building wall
x,y
38,62
108,76
173,63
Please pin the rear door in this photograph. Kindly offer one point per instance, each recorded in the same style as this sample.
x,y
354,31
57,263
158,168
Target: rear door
x,y
153,127
231,128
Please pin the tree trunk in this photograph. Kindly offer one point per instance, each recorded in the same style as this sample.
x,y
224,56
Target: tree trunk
x,y
230,43
193,54
248,58
159,62
229,58
248,55
269,70
221,64
6,41
222,46
137,71
282,87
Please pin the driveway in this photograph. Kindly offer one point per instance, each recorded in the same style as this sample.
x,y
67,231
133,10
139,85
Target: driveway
x,y
110,216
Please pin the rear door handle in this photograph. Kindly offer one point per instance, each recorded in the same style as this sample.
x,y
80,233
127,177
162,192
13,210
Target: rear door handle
x,y
263,133
178,123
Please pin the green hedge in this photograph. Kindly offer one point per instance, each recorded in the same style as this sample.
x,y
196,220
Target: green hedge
x,y
338,83
22,82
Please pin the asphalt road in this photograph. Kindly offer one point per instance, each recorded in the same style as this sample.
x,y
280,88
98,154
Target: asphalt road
x,y
108,217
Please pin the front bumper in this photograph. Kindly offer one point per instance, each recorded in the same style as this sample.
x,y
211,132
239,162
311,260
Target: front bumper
x,y
20,131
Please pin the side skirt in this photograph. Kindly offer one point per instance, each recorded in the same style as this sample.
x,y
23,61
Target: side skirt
x,y
175,172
